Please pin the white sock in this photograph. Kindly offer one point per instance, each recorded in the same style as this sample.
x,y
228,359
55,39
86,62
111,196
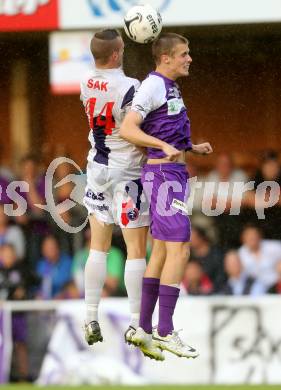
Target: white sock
x,y
134,271
95,274
176,285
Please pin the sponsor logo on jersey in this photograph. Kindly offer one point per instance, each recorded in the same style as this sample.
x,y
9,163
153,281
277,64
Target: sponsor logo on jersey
x,y
174,106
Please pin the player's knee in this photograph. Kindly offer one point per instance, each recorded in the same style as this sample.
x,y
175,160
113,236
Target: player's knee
x,y
136,252
101,246
179,251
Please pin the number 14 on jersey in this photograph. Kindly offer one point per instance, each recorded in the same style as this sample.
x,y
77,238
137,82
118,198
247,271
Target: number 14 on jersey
x,y
104,120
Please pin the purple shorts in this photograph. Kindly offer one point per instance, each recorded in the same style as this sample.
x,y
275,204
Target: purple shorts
x,y
166,187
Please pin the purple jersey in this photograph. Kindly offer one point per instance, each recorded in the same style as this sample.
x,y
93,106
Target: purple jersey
x,y
160,104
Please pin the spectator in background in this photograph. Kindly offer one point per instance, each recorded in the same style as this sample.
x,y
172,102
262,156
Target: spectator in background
x,y
226,174
209,256
13,286
5,171
4,198
238,282
34,221
259,257
114,284
54,268
12,278
195,281
270,170
276,288
195,200
11,234
69,184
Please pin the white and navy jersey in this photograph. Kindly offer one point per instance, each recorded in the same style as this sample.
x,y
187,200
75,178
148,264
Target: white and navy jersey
x,y
160,103
107,96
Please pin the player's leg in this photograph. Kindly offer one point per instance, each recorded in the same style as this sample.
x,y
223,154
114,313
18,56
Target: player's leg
x,y
131,213
135,240
134,270
150,286
171,277
134,220
150,290
95,275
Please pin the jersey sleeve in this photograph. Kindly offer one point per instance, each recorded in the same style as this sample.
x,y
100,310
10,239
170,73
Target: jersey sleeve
x,y
82,93
150,96
189,143
127,97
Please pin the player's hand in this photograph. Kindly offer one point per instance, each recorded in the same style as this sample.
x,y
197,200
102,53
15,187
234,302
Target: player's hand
x,y
204,148
171,152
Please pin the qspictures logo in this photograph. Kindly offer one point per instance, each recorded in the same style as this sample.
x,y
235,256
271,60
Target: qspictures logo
x,y
265,195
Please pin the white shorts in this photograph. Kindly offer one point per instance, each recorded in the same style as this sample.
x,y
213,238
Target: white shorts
x,y
115,195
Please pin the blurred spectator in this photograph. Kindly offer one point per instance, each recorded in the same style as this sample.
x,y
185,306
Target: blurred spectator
x,y
5,171
195,199
34,221
69,291
209,256
12,279
4,198
270,170
114,284
238,282
54,268
276,288
259,257
195,281
223,196
13,286
11,234
69,185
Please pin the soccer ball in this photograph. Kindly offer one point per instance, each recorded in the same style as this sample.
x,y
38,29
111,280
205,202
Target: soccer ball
x,y
142,23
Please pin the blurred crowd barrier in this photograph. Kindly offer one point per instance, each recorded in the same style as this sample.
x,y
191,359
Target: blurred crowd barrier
x,y
238,340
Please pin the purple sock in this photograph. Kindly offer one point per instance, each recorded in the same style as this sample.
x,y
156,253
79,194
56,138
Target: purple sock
x,y
150,291
168,297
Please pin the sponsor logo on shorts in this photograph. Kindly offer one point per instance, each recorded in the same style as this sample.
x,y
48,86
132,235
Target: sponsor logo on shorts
x,y
95,196
102,207
133,214
178,204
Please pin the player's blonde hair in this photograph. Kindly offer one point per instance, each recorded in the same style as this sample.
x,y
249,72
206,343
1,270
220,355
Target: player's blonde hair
x,y
165,44
103,44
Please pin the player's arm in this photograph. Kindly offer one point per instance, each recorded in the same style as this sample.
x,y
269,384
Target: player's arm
x,y
130,130
147,98
204,148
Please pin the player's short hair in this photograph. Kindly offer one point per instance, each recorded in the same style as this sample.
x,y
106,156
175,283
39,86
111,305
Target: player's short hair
x,y
103,44
165,44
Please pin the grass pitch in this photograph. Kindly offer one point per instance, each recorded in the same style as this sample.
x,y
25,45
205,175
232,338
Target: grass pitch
x,y
150,387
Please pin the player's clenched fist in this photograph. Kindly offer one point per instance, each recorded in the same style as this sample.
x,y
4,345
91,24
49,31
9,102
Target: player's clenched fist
x,y
204,148
171,152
